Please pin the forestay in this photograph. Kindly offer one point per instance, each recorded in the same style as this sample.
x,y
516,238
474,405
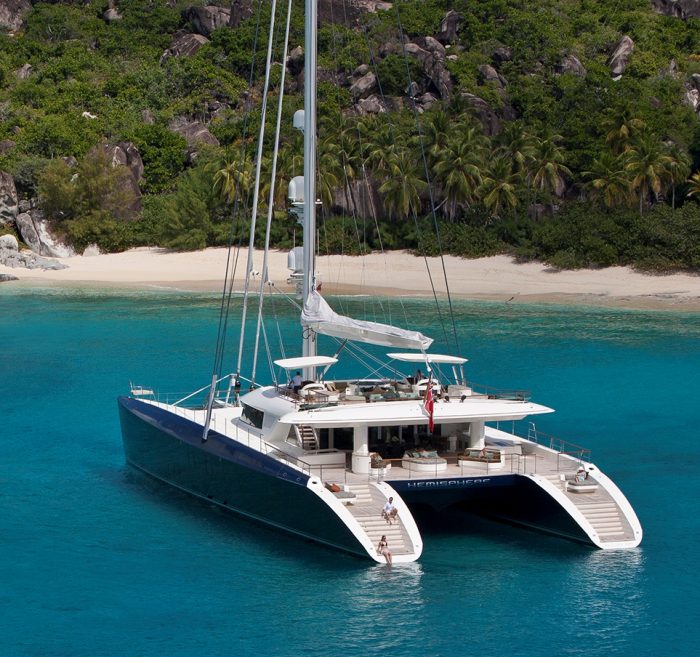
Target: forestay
x,y
320,317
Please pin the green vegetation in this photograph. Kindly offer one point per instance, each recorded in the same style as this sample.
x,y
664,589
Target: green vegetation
x,y
592,172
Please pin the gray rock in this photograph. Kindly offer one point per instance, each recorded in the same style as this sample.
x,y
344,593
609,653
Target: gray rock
x,y
295,60
695,81
449,27
362,87
91,251
433,65
147,117
571,64
4,278
502,54
361,70
6,145
9,242
206,19
8,198
184,44
194,132
427,100
35,233
491,75
12,13
126,153
485,113
27,260
683,9
240,11
24,71
111,15
620,56
433,46
371,105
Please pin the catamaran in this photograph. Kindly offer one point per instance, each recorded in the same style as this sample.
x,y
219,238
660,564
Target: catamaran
x,y
319,456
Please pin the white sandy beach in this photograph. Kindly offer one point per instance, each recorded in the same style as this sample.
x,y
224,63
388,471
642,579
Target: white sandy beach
x,y
394,273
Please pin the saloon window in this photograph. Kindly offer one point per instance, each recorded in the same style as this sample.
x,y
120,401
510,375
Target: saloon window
x,y
253,416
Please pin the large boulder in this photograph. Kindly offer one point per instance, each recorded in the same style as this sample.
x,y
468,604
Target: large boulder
x,y
431,57
684,9
9,202
205,20
570,64
240,10
491,76
35,232
449,27
184,44
9,242
371,105
126,154
362,87
620,57
485,113
194,132
295,60
12,13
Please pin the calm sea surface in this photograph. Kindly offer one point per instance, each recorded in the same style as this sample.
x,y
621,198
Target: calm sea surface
x,y
99,561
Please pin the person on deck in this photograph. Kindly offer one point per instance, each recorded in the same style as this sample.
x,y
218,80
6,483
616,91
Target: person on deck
x,y
297,382
383,549
389,512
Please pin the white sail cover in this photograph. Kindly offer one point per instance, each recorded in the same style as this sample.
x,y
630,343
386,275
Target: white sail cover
x,y
320,317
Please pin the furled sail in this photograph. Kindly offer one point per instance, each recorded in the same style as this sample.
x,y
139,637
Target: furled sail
x,y
320,317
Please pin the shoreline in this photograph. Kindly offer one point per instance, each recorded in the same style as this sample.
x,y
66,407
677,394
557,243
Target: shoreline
x,y
393,274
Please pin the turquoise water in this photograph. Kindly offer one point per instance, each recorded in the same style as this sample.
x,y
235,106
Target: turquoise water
x,y
99,561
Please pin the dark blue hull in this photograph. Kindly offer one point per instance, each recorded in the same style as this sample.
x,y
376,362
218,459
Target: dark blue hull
x,y
237,478
510,498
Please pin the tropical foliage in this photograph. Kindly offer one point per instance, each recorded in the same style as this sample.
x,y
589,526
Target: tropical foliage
x,y
581,170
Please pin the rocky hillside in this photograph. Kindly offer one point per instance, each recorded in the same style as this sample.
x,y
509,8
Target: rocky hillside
x,y
556,130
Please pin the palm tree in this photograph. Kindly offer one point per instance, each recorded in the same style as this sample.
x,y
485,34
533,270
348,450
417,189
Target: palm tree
x,y
234,179
500,186
403,186
436,135
649,166
518,145
330,172
458,169
679,168
548,168
609,180
620,130
694,182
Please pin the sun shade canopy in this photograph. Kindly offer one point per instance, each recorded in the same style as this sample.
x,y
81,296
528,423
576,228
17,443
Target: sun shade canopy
x,y
428,358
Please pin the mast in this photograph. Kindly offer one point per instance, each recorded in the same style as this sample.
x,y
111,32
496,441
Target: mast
x,y
309,228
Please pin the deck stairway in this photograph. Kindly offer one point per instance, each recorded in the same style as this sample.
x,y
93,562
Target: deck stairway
x,y
306,436
367,509
601,511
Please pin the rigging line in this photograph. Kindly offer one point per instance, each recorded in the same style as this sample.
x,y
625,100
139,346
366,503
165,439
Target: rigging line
x,y
235,223
392,129
277,323
427,178
271,198
256,190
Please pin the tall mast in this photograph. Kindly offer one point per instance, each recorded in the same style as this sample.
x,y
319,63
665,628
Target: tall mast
x,y
309,229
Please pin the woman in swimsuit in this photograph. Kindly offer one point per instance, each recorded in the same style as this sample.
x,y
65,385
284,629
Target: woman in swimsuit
x,y
383,548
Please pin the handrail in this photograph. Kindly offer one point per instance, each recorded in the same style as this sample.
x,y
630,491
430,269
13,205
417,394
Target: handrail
x,y
498,393
557,444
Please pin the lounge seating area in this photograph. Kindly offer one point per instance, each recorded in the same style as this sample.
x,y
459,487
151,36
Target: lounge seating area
x,y
423,460
488,456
